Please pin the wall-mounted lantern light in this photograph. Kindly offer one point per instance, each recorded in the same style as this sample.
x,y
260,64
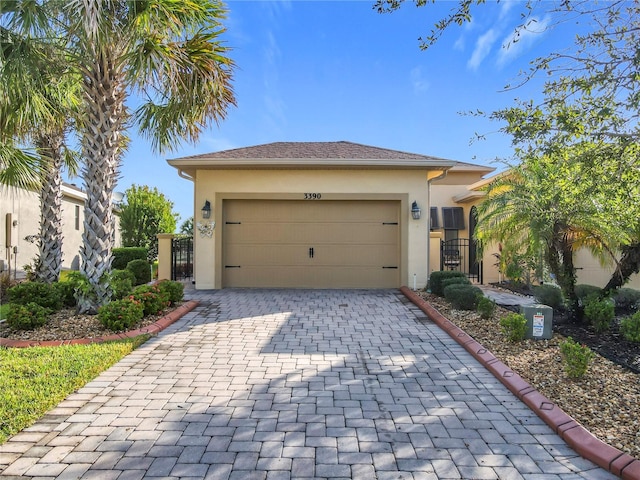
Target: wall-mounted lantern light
x,y
206,210
415,211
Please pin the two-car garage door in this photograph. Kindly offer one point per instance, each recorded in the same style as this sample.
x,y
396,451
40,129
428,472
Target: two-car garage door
x,y
311,244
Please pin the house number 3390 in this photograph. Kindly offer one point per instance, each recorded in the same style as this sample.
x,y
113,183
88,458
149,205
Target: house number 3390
x,y
312,196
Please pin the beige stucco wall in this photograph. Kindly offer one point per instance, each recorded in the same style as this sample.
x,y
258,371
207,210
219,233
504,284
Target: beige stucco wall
x,y
591,272
24,206
404,185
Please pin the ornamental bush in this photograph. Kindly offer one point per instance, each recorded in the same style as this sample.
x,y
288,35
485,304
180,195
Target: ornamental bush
x,y
463,297
121,283
436,279
583,291
627,300
549,295
153,300
27,316
66,292
576,358
514,327
486,308
630,327
174,291
455,281
120,315
123,255
43,294
141,269
599,312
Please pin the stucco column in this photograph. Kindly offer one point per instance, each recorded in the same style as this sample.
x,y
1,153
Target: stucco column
x,y
164,255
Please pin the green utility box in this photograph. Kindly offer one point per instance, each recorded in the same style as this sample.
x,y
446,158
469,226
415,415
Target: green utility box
x,y
539,321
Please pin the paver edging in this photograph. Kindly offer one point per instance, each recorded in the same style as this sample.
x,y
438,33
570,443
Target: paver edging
x,y
152,329
577,437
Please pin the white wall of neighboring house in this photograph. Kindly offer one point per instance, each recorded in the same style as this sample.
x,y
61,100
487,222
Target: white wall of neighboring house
x,y
20,248
591,272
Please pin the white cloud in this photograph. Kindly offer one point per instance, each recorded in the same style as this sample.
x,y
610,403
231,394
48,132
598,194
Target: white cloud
x,y
505,7
482,48
522,39
419,83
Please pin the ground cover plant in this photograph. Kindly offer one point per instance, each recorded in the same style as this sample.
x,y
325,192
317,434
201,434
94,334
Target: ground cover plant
x,y
34,380
605,400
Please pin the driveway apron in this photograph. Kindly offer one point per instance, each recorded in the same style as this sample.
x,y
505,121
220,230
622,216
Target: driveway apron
x,y
280,384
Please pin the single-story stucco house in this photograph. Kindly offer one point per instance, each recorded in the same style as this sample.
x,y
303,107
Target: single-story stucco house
x,y
324,215
339,215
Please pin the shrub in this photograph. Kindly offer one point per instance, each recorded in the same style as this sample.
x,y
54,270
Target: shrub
x,y
141,269
514,327
122,256
121,283
81,286
6,282
599,312
463,297
548,295
66,292
627,300
576,358
43,294
120,314
174,291
436,279
630,328
486,307
583,291
27,316
455,281
152,298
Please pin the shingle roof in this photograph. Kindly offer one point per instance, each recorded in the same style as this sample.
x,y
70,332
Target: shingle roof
x,y
314,150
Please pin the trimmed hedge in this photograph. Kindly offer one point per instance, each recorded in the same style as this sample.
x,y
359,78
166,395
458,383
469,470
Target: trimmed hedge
x,y
44,294
436,279
141,269
27,316
463,297
549,295
583,291
627,300
123,255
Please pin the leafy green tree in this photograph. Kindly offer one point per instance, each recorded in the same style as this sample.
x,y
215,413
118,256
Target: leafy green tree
x,y
169,54
186,228
144,214
548,205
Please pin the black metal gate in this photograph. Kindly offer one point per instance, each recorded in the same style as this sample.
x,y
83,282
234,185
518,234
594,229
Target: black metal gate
x,y
182,258
456,255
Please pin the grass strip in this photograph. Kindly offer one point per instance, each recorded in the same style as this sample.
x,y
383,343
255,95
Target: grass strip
x,y
34,380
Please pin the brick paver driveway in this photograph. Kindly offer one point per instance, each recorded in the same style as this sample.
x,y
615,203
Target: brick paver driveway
x,y
258,384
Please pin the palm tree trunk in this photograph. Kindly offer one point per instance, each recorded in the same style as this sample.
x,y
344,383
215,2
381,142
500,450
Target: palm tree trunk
x,y
102,148
628,265
50,244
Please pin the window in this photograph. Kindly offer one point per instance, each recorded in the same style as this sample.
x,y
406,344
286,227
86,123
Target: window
x,y
434,218
452,218
77,217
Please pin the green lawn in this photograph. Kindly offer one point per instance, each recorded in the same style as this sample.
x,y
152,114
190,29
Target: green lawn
x,y
34,380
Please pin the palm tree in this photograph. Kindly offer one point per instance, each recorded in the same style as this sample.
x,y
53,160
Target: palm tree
x,y
544,206
166,53
37,104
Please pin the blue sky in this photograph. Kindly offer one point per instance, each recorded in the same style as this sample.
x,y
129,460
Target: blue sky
x,y
338,70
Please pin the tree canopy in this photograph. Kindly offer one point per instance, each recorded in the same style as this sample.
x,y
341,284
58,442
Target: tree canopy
x,y
144,213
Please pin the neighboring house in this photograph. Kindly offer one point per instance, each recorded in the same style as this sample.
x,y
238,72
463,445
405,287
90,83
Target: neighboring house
x,y
20,227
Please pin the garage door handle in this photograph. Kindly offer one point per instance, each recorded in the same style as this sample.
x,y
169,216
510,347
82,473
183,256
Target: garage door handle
x,y
232,266
391,267
311,252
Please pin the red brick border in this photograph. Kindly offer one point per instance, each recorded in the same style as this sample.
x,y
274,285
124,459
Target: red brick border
x,y
576,436
152,329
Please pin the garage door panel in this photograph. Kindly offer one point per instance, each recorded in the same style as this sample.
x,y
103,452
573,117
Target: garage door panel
x,y
355,244
309,233
323,277
324,255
